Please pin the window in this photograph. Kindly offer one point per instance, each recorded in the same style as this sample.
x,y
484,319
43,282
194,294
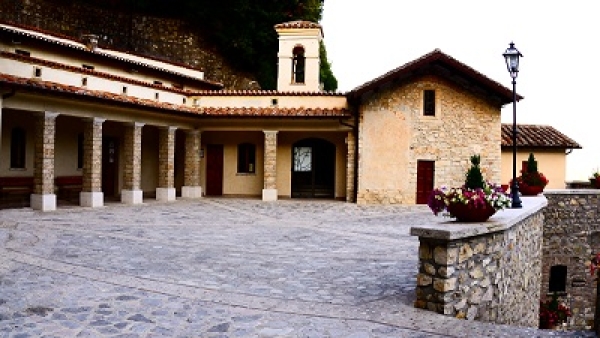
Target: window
x,y
156,96
558,279
88,67
80,151
246,158
124,90
84,81
37,72
429,102
302,159
298,63
17,148
274,102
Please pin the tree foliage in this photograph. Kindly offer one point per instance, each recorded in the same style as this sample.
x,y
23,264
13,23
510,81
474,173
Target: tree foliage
x,y
474,177
241,29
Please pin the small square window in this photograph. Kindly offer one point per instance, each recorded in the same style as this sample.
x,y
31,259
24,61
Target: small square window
x,y
84,81
124,90
156,96
37,72
184,101
429,102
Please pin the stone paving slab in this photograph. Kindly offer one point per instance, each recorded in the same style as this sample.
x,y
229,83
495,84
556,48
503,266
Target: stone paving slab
x,y
220,268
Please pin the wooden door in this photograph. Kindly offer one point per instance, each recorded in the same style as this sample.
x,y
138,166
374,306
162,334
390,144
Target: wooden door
x,y
110,166
425,175
214,170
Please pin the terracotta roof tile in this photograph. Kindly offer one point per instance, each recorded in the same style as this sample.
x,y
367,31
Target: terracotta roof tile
x,y
35,85
428,59
35,33
276,112
298,24
537,136
262,93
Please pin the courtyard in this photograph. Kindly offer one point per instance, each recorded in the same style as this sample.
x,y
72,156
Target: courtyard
x,y
220,267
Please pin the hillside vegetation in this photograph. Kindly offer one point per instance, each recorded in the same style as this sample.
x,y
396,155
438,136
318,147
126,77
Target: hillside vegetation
x,y
242,29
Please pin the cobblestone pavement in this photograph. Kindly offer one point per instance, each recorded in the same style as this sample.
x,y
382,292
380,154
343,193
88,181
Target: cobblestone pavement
x,y
219,268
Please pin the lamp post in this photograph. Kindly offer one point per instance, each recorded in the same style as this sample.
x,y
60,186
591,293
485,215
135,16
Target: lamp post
x,y
512,55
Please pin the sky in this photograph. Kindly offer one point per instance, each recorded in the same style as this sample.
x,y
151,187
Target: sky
x,y
559,71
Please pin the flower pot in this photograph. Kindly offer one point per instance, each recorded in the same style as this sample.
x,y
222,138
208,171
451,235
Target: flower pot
x,y
528,190
469,213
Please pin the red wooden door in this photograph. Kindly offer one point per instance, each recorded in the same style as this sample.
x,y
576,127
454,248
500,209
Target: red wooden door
x,y
425,175
214,170
110,166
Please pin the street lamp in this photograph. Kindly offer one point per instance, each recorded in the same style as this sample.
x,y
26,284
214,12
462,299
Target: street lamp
x,y
512,56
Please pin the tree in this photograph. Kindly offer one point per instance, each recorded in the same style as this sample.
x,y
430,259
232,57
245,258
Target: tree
x,y
474,177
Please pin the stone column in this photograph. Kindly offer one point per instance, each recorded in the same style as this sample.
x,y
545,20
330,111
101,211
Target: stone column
x,y
43,197
166,164
91,194
350,166
269,192
132,170
191,184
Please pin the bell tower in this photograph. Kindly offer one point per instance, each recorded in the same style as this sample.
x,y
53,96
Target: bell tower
x,y
298,57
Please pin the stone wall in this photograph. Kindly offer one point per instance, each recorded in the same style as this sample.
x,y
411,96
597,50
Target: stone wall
x,y
395,134
166,39
488,272
571,236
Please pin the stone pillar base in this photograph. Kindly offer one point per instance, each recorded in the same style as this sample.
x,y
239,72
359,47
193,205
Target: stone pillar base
x,y
191,192
45,202
132,196
269,195
165,194
91,199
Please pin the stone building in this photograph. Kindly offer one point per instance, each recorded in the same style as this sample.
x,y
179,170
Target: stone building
x,y
84,123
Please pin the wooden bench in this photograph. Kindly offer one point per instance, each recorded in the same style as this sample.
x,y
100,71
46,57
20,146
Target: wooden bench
x,y
68,187
16,191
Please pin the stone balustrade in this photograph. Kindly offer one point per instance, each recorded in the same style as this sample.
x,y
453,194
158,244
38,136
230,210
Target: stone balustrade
x,y
488,271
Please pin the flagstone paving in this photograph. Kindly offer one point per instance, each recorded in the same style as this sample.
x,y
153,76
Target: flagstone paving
x,y
220,268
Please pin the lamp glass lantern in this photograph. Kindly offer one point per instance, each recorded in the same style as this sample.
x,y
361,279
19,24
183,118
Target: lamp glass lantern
x,y
512,55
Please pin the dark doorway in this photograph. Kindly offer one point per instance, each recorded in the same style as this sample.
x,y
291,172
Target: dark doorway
x,y
110,166
425,175
214,170
313,169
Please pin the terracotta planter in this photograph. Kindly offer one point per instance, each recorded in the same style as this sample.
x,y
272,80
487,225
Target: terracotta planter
x,y
468,213
528,190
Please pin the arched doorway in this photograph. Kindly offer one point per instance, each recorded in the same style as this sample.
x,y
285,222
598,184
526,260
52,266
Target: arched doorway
x,y
313,169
